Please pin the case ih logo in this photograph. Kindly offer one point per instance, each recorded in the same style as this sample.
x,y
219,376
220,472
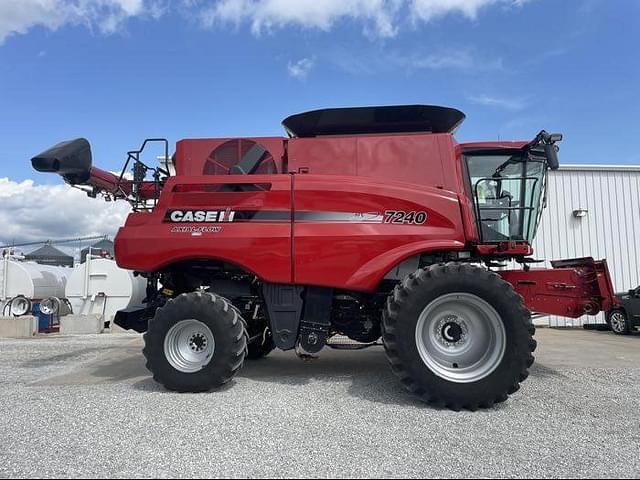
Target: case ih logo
x,y
199,216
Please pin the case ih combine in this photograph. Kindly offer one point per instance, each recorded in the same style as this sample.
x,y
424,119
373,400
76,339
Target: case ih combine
x,y
367,223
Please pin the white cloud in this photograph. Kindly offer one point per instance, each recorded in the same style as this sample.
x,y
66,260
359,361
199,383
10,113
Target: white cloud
x,y
465,60
30,212
379,18
301,68
427,10
452,59
267,15
505,103
108,16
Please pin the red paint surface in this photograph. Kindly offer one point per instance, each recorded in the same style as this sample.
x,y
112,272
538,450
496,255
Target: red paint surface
x,y
356,256
359,175
147,244
583,289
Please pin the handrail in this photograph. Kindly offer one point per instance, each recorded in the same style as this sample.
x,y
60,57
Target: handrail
x,y
140,169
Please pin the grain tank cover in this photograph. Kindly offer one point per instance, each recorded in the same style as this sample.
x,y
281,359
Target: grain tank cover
x,y
372,120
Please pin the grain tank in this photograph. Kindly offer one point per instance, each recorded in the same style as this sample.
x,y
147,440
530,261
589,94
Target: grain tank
x,y
24,283
99,286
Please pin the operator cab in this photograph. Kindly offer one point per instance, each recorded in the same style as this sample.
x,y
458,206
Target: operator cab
x,y
508,186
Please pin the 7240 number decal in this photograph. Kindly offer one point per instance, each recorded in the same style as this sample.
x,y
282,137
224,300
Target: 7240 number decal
x,y
402,217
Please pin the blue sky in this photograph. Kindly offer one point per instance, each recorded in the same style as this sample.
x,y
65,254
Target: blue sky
x,y
122,70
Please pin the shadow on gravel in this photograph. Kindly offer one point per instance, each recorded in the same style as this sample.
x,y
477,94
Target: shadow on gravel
x,y
112,366
149,385
120,369
46,361
366,373
538,370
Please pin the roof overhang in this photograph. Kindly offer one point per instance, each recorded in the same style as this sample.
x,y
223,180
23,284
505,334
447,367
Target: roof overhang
x,y
472,146
374,120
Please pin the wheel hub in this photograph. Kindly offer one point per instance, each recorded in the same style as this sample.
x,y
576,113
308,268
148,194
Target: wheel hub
x,y
452,331
460,337
618,322
198,342
189,346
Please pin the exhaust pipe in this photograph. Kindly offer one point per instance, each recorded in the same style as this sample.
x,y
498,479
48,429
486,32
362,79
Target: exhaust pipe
x,y
71,160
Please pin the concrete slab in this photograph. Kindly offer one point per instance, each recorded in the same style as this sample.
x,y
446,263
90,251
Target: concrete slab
x,y
578,348
81,324
18,327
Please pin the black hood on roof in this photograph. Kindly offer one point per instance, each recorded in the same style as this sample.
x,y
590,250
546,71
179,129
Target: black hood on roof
x,y
363,120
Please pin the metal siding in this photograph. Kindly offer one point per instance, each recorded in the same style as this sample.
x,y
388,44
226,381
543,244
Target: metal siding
x,y
610,230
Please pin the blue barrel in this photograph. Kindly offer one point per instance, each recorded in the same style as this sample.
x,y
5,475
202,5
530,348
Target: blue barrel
x,y
44,320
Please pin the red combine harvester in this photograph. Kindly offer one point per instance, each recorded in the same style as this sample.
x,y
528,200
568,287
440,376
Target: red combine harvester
x,y
365,223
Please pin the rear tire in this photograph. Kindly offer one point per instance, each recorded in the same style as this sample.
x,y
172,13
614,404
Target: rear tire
x,y
458,336
195,342
619,322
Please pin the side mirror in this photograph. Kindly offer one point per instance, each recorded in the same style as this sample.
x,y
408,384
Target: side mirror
x,y
551,152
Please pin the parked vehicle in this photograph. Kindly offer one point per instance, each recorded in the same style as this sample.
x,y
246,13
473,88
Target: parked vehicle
x,y
625,317
366,222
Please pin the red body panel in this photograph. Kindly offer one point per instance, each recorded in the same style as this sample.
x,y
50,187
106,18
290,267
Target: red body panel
x,y
355,254
363,174
322,217
352,254
146,243
418,159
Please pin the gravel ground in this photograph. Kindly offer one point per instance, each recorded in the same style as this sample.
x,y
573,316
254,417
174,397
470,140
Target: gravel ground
x,y
86,407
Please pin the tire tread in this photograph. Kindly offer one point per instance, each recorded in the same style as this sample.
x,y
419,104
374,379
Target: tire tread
x,y
403,294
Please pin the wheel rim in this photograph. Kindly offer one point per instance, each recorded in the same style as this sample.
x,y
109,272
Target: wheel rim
x,y
189,346
618,322
460,337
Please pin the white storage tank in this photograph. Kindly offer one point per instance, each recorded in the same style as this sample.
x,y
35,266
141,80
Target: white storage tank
x,y
99,286
31,280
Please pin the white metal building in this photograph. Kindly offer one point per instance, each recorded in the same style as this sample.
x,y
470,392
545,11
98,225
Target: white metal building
x,y
593,210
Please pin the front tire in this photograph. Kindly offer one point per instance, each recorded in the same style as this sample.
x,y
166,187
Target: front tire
x,y
458,336
619,322
195,342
